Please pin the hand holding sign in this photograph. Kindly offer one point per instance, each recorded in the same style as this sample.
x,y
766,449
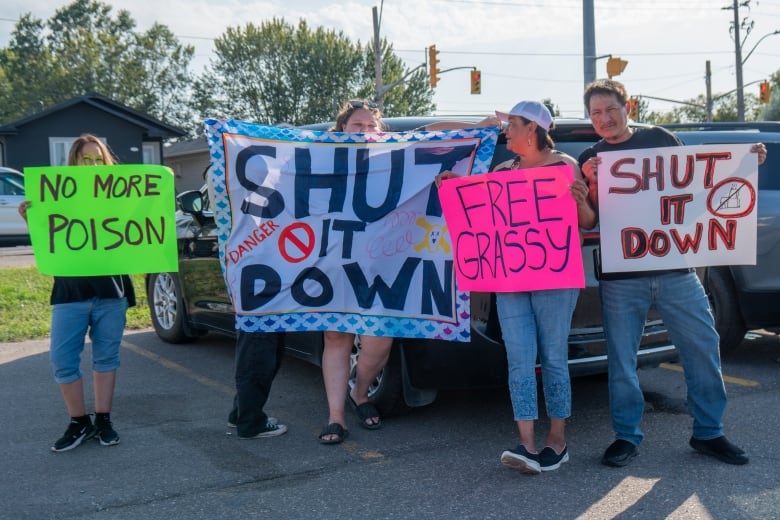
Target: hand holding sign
x,y
514,230
102,220
677,207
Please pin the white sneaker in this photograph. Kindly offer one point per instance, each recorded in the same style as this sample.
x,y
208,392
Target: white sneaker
x,y
521,460
271,430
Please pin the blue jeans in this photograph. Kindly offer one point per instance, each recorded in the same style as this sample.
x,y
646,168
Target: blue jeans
x,y
531,322
683,305
104,318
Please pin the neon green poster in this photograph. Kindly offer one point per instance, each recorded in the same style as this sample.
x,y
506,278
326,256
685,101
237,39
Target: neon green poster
x,y
102,220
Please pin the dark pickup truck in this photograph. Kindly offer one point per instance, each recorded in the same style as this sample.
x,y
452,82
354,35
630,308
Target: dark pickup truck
x,y
746,297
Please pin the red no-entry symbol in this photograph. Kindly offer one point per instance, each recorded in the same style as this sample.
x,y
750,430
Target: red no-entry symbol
x,y
296,242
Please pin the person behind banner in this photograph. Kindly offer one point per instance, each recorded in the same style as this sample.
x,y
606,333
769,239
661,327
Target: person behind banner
x,y
538,321
677,295
87,304
363,116
357,115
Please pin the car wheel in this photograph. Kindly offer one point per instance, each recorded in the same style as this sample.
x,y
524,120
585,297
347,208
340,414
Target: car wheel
x,y
723,300
167,308
386,391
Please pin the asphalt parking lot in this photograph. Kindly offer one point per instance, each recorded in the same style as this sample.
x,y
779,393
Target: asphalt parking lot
x,y
178,460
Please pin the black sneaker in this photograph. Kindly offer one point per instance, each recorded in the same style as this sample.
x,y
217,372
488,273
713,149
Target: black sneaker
x,y
231,423
105,432
521,460
721,449
549,460
271,430
76,433
619,453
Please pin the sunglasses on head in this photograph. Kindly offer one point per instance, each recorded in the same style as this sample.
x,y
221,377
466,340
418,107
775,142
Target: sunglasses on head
x,y
362,104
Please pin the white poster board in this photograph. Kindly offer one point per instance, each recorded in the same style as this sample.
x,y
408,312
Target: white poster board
x,y
677,207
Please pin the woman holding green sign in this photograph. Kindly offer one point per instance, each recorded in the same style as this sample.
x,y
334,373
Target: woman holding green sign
x,y
81,305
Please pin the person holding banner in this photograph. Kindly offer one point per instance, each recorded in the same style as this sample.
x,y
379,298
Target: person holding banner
x,y
538,321
363,116
677,294
87,304
356,115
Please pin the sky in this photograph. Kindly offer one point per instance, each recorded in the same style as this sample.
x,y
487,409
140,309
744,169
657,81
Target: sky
x,y
525,49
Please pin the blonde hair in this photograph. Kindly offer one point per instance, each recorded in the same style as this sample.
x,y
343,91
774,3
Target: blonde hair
x,y
79,144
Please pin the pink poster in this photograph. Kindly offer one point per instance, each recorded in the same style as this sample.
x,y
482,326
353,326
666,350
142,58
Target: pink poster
x,y
514,230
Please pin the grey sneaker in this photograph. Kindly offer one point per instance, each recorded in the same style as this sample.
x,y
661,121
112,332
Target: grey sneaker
x,y
74,435
271,430
521,460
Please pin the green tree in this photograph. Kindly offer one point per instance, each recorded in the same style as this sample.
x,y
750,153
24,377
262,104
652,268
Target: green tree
x,y
277,72
26,66
162,83
724,109
90,47
83,49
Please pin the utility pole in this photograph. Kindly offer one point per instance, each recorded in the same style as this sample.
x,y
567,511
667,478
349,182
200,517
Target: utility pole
x,y
708,83
588,43
380,92
738,53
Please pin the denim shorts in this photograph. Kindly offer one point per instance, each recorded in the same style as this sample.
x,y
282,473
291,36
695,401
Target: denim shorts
x,y
104,319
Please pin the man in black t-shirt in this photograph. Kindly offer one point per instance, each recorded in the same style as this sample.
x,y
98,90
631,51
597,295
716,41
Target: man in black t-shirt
x,y
677,294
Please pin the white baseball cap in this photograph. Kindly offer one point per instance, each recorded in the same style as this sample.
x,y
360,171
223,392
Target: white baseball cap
x,y
530,110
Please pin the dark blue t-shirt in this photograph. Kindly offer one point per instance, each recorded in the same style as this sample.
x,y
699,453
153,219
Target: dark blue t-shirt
x,y
649,137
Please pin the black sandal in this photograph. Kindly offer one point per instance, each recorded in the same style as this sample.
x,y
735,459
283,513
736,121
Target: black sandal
x,y
365,412
333,429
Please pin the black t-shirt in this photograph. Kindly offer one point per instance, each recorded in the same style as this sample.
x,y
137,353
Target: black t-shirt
x,y
70,289
650,137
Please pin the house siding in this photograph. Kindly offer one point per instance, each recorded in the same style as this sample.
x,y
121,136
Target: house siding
x,y
31,146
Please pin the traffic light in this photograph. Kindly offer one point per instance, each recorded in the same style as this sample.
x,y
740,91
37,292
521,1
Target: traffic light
x,y
633,109
433,65
476,82
615,66
763,92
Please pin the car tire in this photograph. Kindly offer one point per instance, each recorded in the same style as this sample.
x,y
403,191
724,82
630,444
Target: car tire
x,y
725,309
386,391
167,307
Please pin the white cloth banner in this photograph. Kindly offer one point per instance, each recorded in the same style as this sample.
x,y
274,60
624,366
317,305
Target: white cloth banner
x,y
677,207
336,231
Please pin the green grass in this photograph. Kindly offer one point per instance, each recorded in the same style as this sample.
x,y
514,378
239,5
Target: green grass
x,y
25,312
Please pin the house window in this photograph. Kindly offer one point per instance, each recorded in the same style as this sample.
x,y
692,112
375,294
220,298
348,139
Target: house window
x,y
151,153
59,148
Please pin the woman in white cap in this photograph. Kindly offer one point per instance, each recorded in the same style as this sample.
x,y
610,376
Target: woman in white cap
x,y
538,321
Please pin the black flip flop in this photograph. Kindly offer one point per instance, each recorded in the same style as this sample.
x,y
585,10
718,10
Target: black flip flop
x,y
333,429
365,412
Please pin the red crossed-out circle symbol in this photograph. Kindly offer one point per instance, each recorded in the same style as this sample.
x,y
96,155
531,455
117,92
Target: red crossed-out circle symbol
x,y
724,200
296,242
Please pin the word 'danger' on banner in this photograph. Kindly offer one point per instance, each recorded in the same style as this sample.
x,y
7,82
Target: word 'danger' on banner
x,y
336,231
514,230
102,220
678,207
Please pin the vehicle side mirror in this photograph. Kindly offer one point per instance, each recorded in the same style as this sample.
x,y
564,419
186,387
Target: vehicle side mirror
x,y
191,201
